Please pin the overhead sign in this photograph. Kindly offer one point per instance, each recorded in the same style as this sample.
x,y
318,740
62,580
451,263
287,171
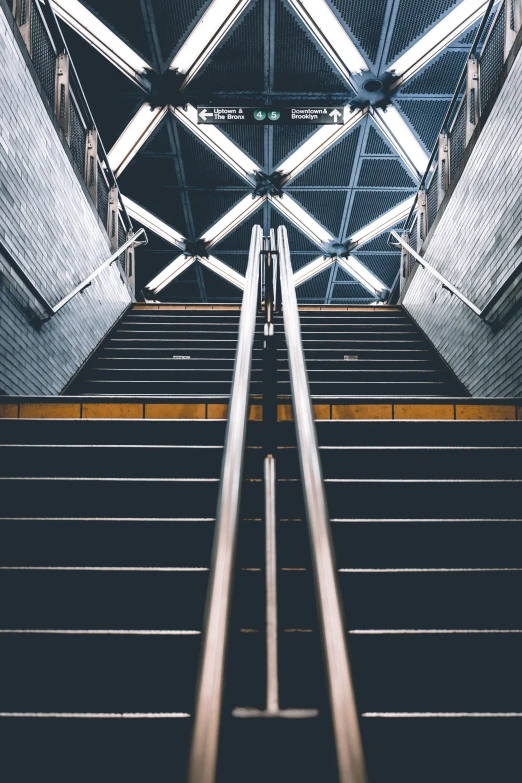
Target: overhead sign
x,y
287,115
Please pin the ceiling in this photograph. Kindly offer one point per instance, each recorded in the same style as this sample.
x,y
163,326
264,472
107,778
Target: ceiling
x,y
270,53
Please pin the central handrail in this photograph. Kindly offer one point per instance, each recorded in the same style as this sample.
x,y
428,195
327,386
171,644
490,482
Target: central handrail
x,y
350,758
205,738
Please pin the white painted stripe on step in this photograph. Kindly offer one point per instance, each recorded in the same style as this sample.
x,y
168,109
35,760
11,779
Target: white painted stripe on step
x,y
421,570
105,478
421,631
103,568
104,445
95,715
442,715
107,519
430,519
98,632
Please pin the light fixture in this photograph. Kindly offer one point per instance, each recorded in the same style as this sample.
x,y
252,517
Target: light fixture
x,y
312,269
139,129
363,275
171,271
382,223
322,23
223,270
318,143
107,43
208,33
286,205
153,223
233,218
430,45
218,142
397,131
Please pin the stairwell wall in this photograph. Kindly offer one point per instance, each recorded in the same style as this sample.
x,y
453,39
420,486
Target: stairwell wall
x,y
475,244
49,225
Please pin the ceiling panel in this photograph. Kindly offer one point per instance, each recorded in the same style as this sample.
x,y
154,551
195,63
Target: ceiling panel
x,y
335,167
413,19
365,21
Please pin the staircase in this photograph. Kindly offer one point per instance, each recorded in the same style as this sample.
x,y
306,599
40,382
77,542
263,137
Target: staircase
x,y
106,534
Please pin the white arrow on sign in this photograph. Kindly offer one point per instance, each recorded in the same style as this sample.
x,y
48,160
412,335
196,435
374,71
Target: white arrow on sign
x,y
335,114
206,114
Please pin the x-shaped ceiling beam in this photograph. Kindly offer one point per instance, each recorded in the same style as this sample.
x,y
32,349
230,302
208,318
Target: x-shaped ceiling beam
x,y
319,19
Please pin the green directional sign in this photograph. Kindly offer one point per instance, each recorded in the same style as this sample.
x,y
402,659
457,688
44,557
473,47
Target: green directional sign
x,y
287,115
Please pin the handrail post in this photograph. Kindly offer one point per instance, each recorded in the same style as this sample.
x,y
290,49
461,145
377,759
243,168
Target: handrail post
x,y
112,218
443,169
62,96
405,263
512,24
209,695
91,164
472,97
345,721
130,266
422,217
22,12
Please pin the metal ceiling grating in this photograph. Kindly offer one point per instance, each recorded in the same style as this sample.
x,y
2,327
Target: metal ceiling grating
x,y
380,243
384,266
425,117
286,139
173,21
350,292
384,174
412,20
238,261
159,142
299,66
314,289
250,138
335,167
184,288
202,167
376,145
368,205
129,25
299,260
296,240
151,182
439,77
240,238
208,207
238,63
113,99
365,20
218,289
327,206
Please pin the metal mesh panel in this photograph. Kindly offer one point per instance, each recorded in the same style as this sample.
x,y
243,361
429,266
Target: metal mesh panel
x,y
77,138
432,198
42,53
457,138
492,58
103,198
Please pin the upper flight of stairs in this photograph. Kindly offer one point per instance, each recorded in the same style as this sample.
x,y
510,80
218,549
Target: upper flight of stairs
x,y
366,351
106,529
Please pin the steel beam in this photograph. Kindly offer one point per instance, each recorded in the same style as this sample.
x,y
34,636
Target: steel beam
x,y
139,129
22,10
91,164
209,32
107,43
435,41
176,267
153,223
62,96
223,270
472,97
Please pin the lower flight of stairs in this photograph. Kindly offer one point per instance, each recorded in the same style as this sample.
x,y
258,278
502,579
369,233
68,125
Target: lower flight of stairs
x,y
106,530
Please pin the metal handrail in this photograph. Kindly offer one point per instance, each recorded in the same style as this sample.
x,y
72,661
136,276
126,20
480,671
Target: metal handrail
x,y
482,313
453,102
350,758
205,738
40,297
86,109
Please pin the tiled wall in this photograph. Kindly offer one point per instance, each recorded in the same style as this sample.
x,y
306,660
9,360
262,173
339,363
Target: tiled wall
x,y
475,245
49,226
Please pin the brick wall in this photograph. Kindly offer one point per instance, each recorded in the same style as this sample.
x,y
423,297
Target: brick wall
x,y
50,227
476,244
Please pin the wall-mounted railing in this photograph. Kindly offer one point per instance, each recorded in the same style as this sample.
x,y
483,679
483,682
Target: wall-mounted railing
x,y
127,249
51,60
475,90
